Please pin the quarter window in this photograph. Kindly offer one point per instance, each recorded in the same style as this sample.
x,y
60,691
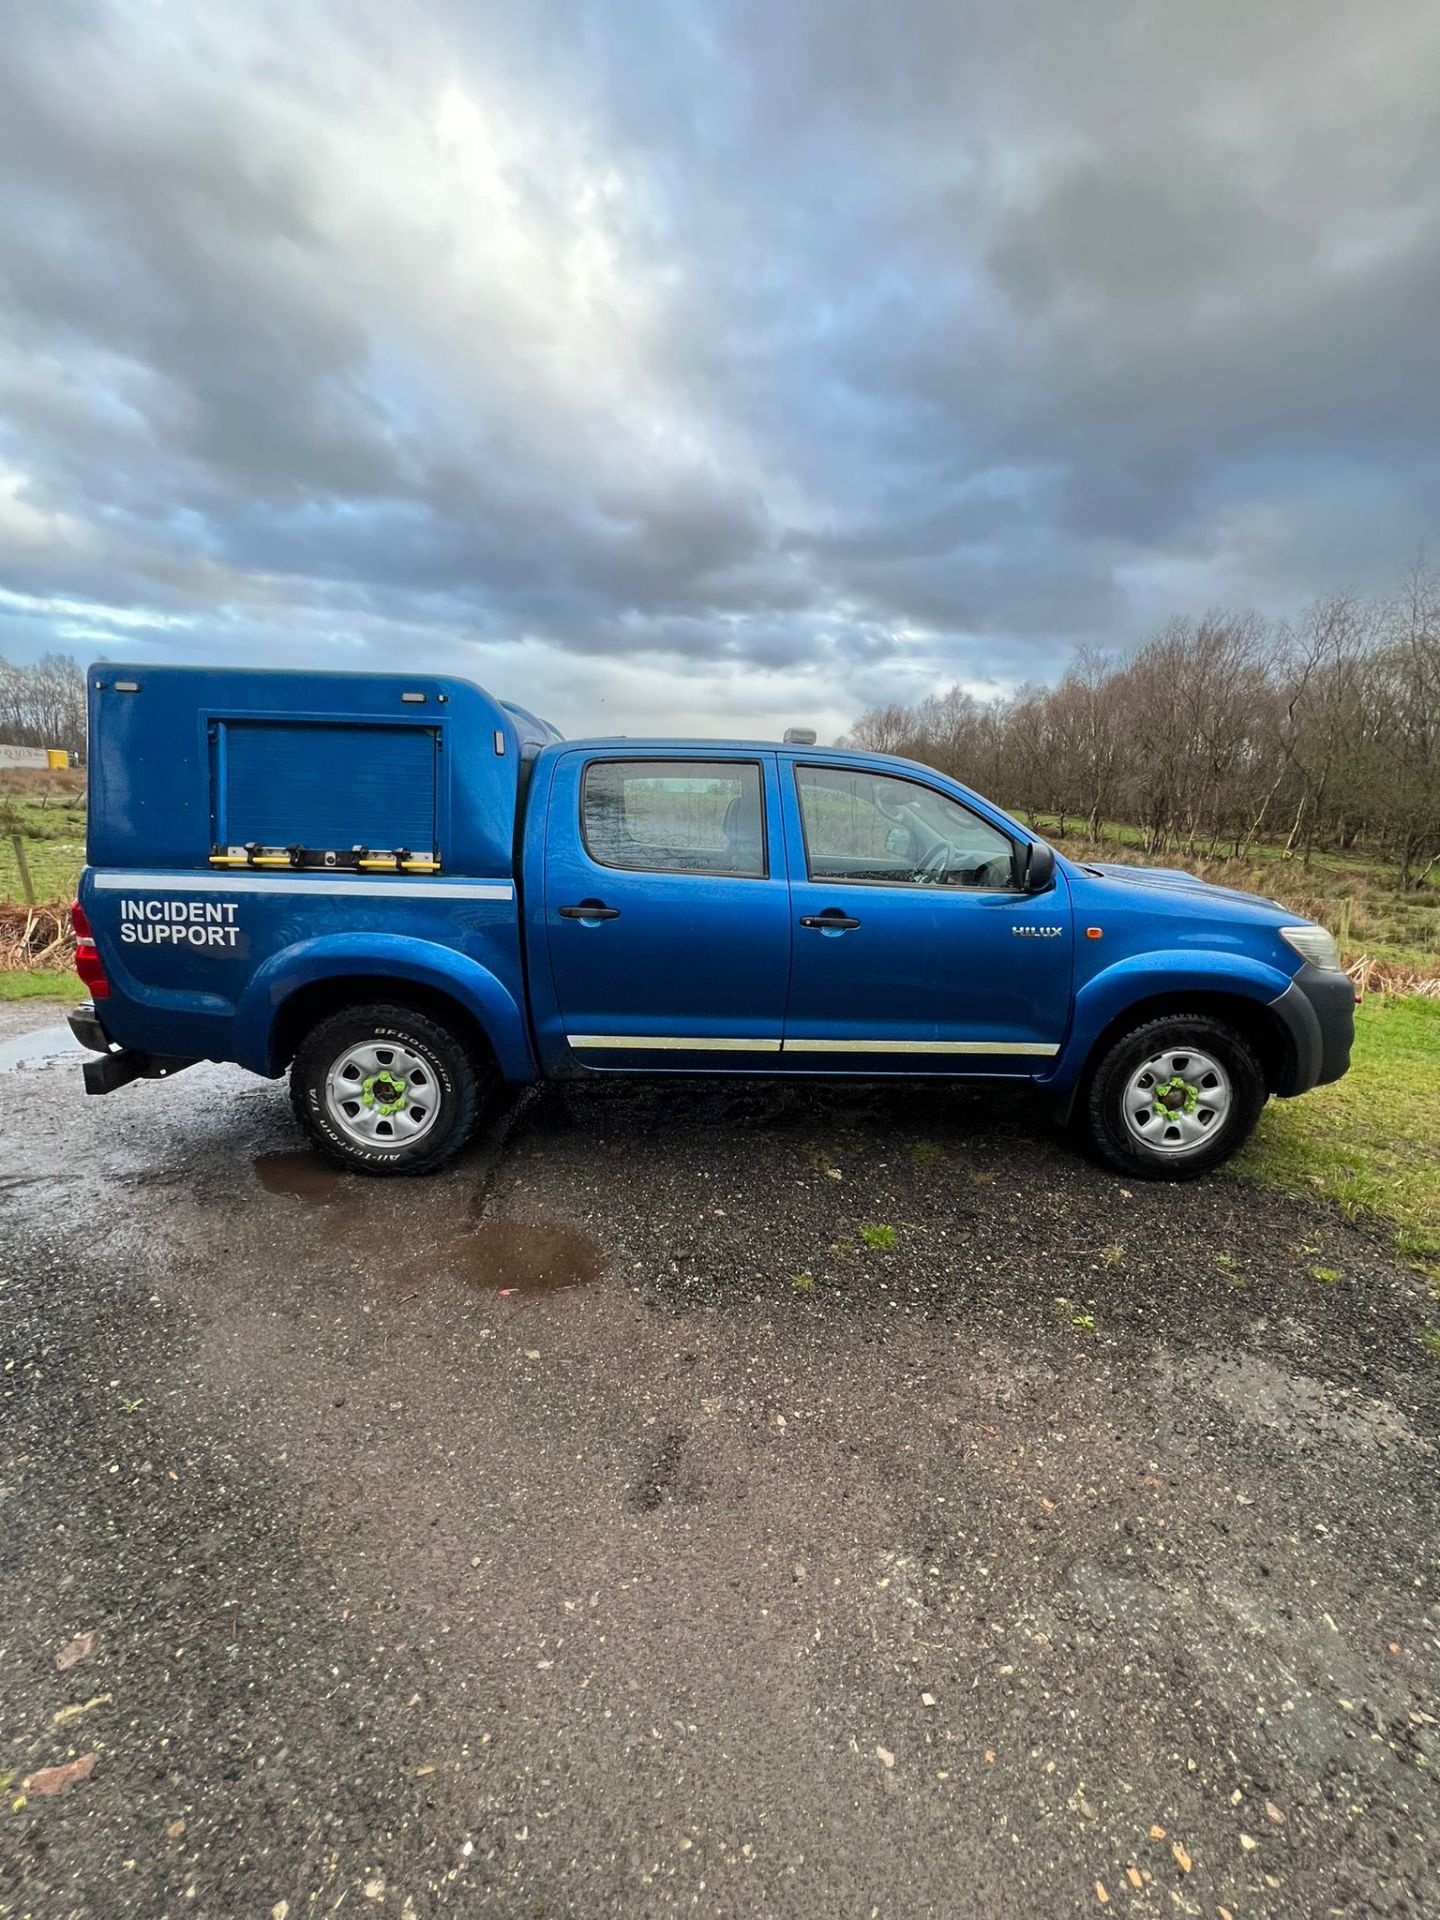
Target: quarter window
x,y
675,816
871,827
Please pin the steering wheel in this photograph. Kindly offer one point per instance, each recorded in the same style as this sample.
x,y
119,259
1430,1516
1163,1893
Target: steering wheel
x,y
935,865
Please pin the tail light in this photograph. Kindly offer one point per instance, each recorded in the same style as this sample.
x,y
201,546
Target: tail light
x,y
88,964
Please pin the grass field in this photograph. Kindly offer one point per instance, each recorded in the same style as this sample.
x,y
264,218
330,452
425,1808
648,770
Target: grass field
x,y
48,813
40,983
1370,1143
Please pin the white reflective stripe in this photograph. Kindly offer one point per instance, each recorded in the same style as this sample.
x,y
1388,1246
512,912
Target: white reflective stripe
x,y
672,1043
683,1043
918,1046
293,882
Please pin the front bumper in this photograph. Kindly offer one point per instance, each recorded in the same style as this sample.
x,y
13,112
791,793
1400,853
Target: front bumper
x,y
116,1066
1317,1010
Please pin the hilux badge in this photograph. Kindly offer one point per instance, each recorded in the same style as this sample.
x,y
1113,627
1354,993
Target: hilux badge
x,y
1036,933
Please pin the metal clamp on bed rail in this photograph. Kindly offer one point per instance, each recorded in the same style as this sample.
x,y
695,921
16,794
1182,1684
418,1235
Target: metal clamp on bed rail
x,y
325,859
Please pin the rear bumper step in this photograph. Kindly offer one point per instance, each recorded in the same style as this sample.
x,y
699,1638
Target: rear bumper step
x,y
116,1066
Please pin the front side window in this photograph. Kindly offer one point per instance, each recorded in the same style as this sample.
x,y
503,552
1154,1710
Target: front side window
x,y
675,816
872,827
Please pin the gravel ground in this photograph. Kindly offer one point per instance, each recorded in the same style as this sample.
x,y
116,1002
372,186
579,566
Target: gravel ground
x,y
606,1528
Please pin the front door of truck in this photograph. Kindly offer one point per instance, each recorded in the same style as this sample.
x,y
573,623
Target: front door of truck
x,y
666,912
914,950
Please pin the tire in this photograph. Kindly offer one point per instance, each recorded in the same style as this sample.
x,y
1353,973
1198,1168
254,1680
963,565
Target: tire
x,y
347,1081
1174,1098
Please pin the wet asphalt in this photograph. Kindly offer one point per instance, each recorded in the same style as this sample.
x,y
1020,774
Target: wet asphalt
x,y
614,1526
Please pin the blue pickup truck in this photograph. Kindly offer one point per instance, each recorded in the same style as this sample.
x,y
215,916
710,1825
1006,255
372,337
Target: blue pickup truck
x,y
410,895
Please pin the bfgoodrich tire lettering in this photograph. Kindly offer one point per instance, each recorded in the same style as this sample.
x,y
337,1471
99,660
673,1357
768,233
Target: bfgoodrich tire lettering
x,y
395,1039
1173,1098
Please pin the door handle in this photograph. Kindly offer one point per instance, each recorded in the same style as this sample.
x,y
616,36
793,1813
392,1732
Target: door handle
x,y
590,910
831,921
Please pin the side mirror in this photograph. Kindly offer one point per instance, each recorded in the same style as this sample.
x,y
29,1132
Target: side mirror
x,y
1039,867
897,840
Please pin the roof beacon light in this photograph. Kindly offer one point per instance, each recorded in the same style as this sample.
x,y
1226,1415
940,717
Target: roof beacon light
x,y
799,736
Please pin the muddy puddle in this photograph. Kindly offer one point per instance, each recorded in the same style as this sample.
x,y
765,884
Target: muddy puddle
x,y
299,1175
501,1256
514,1256
43,1049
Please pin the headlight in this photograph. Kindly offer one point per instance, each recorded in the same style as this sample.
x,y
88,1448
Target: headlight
x,y
1315,945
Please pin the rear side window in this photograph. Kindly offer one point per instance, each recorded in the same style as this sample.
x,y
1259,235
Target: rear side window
x,y
873,827
675,816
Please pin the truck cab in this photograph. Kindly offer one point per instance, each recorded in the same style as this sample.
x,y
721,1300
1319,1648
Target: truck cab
x,y
410,895
771,909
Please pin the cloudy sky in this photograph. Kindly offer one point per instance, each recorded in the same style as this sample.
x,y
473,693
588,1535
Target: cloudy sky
x,y
715,364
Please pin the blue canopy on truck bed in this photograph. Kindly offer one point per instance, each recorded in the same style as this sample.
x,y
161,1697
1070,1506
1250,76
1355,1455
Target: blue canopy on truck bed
x,y
193,768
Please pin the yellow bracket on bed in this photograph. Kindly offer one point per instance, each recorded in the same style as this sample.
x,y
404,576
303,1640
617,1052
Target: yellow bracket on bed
x,y
365,862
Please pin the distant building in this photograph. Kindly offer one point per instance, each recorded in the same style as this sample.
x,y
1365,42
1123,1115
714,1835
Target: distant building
x,y
41,757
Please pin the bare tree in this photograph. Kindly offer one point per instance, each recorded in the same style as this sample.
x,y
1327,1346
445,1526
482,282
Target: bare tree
x,y
43,705
1324,733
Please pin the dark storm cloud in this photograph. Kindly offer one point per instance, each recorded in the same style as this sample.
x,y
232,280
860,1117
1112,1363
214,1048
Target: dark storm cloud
x,y
723,356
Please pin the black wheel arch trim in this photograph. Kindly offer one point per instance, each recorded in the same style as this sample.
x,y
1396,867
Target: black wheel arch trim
x,y
1317,1010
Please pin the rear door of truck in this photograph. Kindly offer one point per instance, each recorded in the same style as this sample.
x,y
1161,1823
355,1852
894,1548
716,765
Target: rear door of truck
x,y
666,911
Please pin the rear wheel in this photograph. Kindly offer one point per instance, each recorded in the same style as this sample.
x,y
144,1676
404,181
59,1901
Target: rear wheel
x,y
386,1090
1174,1098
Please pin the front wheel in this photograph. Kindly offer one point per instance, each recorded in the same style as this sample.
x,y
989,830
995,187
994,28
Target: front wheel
x,y
1174,1098
384,1089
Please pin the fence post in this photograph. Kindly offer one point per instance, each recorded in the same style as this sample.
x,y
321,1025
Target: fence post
x,y
27,885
